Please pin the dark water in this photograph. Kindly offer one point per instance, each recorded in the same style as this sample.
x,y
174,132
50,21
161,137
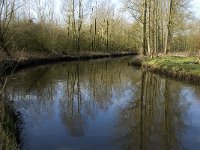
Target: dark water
x,y
104,105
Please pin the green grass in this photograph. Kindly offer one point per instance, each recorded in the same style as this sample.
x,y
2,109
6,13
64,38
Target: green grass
x,y
186,65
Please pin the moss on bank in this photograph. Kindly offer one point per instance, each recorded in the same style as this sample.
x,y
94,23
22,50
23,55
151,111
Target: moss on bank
x,y
175,67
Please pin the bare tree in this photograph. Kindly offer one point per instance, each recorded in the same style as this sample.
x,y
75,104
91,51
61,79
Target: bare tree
x,y
7,10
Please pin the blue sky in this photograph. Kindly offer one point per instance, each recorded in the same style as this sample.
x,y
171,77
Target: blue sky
x,y
196,5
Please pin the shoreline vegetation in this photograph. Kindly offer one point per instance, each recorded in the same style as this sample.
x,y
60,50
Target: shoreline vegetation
x,y
176,67
9,126
10,65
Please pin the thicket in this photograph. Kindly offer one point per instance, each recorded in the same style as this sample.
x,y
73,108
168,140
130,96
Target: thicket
x,y
37,31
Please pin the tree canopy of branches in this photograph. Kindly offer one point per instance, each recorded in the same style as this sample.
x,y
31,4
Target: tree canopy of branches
x,y
161,22
76,26
38,26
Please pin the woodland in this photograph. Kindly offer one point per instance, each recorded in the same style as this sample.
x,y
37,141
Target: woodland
x,y
41,27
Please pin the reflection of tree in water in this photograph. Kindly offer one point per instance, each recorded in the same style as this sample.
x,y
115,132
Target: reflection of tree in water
x,y
8,121
154,119
33,91
89,89
71,108
77,91
80,103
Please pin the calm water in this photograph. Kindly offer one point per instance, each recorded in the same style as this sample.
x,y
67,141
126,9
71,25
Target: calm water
x,y
104,105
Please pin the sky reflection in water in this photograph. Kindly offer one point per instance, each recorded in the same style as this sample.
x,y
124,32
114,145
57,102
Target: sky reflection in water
x,y
104,105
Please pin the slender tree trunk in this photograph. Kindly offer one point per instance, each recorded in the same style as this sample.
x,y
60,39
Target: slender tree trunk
x,y
107,38
169,27
153,29
145,28
95,32
149,37
73,24
91,34
68,30
80,25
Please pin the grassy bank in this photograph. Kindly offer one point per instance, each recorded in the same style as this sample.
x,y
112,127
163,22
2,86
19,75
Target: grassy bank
x,y
187,68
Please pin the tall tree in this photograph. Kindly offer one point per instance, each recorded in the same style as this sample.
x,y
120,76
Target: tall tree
x,y
80,22
7,10
145,28
170,26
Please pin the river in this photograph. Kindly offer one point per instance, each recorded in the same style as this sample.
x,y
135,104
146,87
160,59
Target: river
x,y
104,105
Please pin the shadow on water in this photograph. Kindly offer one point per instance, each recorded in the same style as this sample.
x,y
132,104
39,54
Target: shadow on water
x,y
104,105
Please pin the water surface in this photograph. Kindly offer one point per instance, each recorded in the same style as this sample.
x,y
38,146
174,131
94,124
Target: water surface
x,y
104,105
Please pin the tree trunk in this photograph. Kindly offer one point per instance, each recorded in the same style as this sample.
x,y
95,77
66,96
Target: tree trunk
x,y
149,37
145,28
107,38
169,28
80,25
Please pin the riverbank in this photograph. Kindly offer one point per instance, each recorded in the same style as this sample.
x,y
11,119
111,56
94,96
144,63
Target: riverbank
x,y
10,65
184,68
9,126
